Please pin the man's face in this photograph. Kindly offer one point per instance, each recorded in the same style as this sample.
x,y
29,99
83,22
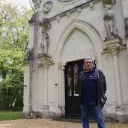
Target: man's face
x,y
88,65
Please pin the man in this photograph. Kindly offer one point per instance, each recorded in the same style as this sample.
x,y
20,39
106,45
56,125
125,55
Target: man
x,y
92,93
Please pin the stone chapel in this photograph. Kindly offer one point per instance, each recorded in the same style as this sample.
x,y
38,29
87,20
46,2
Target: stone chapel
x,y
64,32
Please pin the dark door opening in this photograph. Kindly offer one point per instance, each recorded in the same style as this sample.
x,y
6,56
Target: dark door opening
x,y
72,103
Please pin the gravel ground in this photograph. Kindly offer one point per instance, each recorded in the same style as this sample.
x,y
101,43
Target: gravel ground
x,y
48,123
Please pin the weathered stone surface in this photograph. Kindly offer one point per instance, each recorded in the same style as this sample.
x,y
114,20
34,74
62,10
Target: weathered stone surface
x,y
77,31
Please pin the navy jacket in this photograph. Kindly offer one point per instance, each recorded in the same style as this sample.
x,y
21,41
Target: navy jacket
x,y
101,87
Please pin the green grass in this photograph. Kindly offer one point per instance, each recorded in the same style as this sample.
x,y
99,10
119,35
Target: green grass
x,y
10,115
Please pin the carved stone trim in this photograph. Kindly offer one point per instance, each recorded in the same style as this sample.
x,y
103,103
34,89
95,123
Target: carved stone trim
x,y
46,108
72,8
110,2
65,0
63,67
60,66
52,115
47,6
91,5
36,3
96,59
113,46
44,61
120,108
39,114
114,49
68,14
29,56
126,26
45,23
58,19
62,109
33,18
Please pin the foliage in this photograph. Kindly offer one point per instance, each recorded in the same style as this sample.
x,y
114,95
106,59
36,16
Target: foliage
x,y
10,115
14,29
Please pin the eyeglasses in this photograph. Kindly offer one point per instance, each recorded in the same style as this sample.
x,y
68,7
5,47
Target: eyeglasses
x,y
88,62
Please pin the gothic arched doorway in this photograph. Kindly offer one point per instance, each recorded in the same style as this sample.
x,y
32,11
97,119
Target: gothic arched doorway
x,y
72,101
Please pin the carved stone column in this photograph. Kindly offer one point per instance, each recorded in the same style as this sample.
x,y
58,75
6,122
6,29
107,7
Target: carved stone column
x,y
114,48
126,29
46,86
59,85
26,99
28,70
63,91
45,62
127,43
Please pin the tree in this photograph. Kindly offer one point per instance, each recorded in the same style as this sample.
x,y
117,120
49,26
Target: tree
x,y
14,29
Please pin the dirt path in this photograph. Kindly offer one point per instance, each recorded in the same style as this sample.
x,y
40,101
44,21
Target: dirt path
x,y
47,123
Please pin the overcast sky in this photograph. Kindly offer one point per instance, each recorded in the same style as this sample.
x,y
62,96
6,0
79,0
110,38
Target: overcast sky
x,y
20,2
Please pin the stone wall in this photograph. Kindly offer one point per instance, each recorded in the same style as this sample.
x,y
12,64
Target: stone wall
x,y
75,29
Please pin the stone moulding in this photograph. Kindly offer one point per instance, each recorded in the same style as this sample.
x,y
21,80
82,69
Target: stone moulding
x,y
36,3
75,7
34,18
110,2
116,118
52,115
113,46
44,60
47,7
126,26
65,0
45,23
85,28
37,114
72,8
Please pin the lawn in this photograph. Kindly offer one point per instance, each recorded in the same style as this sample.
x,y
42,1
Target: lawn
x,y
10,115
